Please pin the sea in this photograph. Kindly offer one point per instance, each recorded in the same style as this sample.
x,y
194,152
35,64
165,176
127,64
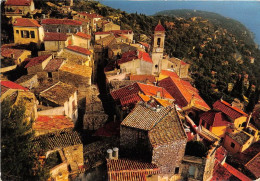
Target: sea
x,y
246,12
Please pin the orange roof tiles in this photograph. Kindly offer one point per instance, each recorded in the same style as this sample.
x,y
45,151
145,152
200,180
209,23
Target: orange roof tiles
x,y
54,65
18,2
126,170
227,109
8,52
90,15
253,166
133,55
56,122
61,21
183,92
79,50
81,70
236,173
26,22
143,78
169,73
36,60
83,35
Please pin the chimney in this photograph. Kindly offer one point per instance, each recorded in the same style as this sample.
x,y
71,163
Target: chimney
x,y
43,16
115,153
158,94
109,154
248,120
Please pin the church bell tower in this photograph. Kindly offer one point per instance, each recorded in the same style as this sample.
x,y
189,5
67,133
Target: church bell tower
x,y
158,47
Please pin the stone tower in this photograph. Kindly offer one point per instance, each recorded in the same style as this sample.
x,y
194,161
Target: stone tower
x,y
158,47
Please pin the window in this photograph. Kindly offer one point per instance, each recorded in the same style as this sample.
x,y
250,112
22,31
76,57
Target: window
x,y
20,60
68,30
232,145
159,42
58,30
25,34
76,30
32,34
17,31
177,169
49,75
156,66
192,170
208,126
203,123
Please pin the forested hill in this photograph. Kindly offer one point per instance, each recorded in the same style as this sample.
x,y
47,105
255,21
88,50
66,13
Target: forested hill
x,y
233,26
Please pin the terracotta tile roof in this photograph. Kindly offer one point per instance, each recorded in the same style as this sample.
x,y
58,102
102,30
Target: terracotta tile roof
x,y
133,55
148,90
81,70
215,119
8,52
253,166
221,173
221,153
115,32
126,170
163,102
36,60
54,36
83,35
54,65
25,78
106,41
227,109
236,173
11,85
240,137
159,27
58,139
78,49
131,99
144,118
26,22
183,92
58,93
61,21
3,89
183,63
90,15
145,44
57,122
143,78
18,2
169,73
167,131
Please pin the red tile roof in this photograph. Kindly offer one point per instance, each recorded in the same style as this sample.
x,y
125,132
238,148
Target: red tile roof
x,y
254,166
221,153
169,73
183,63
131,99
182,91
83,35
145,44
159,27
115,32
18,2
53,36
149,90
236,173
52,123
8,52
61,21
143,78
221,173
227,109
36,60
12,85
215,119
78,49
126,170
133,55
54,65
26,22
90,15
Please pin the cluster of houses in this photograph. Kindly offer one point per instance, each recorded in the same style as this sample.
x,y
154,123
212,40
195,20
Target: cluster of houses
x,y
166,131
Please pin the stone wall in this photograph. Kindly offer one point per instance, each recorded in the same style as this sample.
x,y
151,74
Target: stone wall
x,y
74,156
169,156
60,172
63,28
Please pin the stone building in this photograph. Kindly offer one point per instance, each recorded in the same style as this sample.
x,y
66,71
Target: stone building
x,y
135,62
13,56
117,33
59,99
37,64
95,116
14,8
78,76
27,31
81,39
54,41
9,87
156,135
93,18
84,54
28,81
61,25
109,26
67,144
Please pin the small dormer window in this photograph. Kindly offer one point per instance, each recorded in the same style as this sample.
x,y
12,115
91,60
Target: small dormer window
x,y
58,30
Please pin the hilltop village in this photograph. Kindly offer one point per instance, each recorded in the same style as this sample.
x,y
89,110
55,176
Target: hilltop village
x,y
110,108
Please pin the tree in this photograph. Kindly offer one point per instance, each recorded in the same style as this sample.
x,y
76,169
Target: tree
x,y
19,160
